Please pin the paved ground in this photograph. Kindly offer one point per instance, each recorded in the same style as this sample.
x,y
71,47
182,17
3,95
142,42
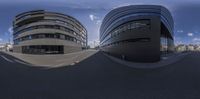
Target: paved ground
x,y
165,60
98,77
53,61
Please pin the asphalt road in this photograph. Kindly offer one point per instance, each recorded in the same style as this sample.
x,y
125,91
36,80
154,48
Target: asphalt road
x,y
98,77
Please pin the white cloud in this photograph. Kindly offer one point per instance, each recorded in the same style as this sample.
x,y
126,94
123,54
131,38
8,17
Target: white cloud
x,y
196,39
94,18
10,30
178,42
8,36
128,4
121,5
190,34
180,31
94,43
98,22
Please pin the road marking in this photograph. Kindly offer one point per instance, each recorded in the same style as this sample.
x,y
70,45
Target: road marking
x,y
21,62
6,59
72,64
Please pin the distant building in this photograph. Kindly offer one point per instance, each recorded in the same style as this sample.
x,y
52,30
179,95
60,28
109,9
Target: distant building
x,y
181,48
197,47
185,48
138,33
6,47
43,32
190,47
2,47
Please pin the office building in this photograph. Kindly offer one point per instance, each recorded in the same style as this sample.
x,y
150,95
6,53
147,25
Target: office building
x,y
44,32
141,33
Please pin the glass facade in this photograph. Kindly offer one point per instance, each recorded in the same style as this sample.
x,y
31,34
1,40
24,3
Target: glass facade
x,y
67,24
137,33
46,36
166,41
78,38
43,49
132,25
163,45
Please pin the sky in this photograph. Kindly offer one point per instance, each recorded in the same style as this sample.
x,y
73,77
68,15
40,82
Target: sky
x,y
90,13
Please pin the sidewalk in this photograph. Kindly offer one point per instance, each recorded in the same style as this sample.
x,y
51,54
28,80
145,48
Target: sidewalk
x,y
163,62
52,61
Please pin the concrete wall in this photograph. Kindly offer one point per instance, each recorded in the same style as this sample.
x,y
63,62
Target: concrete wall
x,y
65,21
17,49
70,49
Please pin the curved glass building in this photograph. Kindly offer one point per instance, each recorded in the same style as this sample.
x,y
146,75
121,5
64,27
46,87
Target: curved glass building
x,y
42,32
141,33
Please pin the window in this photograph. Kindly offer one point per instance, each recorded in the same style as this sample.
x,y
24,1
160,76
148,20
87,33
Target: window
x,y
57,36
47,35
62,36
30,37
129,26
41,36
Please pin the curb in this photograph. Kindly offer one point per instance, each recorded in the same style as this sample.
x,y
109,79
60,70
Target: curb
x,y
163,62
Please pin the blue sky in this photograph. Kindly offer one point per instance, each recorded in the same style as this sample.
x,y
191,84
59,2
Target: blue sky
x,y
90,13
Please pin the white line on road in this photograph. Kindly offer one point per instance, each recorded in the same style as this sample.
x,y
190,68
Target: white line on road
x,y
21,62
6,59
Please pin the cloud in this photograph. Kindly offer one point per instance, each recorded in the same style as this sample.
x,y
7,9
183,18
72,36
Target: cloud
x,y
10,30
190,34
1,39
196,39
98,22
8,35
94,43
127,4
122,5
180,31
178,42
92,17
95,19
